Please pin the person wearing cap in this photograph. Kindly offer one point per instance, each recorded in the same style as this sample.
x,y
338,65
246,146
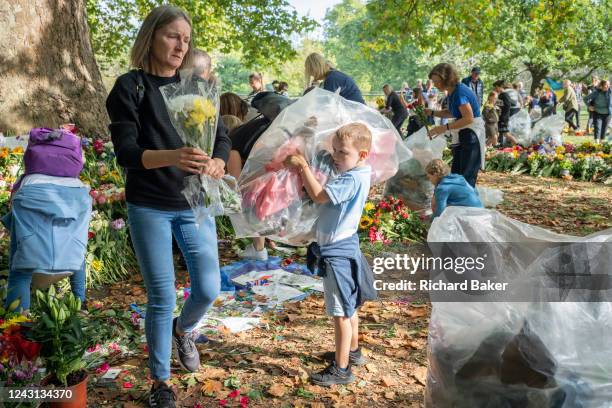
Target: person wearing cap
x,y
475,83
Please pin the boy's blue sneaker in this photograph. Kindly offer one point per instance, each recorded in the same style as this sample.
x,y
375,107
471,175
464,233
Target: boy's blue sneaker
x,y
333,375
355,357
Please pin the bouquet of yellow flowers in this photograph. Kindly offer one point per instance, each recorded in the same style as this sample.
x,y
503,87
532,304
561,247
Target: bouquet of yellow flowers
x,y
193,108
380,102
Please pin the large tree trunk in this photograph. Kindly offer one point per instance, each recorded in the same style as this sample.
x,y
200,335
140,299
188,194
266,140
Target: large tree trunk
x,y
538,74
48,73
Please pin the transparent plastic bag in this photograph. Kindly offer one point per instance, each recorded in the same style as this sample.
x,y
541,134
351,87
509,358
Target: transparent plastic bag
x,y
274,202
209,197
474,347
490,197
193,107
548,131
410,183
535,114
519,126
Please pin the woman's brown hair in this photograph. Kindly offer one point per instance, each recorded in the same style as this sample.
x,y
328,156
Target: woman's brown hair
x,y
447,73
158,18
232,104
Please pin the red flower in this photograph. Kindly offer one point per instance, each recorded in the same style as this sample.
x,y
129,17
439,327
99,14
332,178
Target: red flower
x,y
127,384
233,394
223,402
244,401
103,368
90,235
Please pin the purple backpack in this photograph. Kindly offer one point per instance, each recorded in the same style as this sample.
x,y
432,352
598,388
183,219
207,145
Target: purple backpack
x,y
54,152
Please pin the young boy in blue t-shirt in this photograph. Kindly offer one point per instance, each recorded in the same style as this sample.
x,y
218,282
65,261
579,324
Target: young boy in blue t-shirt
x,y
342,201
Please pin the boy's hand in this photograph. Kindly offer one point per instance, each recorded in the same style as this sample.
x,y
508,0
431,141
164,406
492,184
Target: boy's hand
x,y
295,161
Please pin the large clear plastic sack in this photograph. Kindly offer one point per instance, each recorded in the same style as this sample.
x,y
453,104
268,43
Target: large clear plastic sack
x,y
506,354
548,131
519,126
411,183
535,114
490,197
274,203
209,197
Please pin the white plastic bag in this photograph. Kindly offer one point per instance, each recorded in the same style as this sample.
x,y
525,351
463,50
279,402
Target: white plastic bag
x,y
490,197
569,361
273,200
410,183
519,126
548,131
209,197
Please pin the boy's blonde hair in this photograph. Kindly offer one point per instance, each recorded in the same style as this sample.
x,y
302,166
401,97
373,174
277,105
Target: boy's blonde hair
x,y
231,122
438,168
358,133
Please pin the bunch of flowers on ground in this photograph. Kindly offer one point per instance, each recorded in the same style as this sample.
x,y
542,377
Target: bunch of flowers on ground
x,y
110,257
389,220
20,365
586,162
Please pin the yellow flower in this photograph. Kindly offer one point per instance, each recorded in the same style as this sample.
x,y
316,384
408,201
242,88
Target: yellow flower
x,y
4,152
97,265
13,321
365,222
560,149
203,109
18,150
369,206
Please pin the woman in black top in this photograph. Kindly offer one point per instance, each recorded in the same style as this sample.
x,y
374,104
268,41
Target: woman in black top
x,y
156,162
394,103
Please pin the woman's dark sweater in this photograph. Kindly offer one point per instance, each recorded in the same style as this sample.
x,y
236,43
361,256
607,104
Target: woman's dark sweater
x,y
137,126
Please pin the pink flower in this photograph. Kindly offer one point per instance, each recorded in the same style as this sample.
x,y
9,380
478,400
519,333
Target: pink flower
x,y
94,194
197,405
95,348
101,199
127,384
233,394
223,402
114,347
244,401
118,224
103,368
135,319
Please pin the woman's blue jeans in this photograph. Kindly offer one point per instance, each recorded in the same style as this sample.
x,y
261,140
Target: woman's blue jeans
x,y
151,231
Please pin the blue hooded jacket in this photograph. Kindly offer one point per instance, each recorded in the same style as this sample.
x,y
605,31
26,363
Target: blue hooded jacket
x,y
48,225
454,190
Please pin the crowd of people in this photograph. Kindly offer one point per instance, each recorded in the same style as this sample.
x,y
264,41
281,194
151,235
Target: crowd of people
x,y
505,100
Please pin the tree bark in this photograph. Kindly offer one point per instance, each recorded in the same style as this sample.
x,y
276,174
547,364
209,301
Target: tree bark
x,y
48,72
538,74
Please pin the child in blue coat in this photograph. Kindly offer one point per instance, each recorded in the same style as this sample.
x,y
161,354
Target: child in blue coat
x,y
451,189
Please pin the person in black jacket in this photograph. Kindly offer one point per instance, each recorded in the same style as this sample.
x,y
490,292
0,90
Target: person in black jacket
x,y
156,162
394,104
508,101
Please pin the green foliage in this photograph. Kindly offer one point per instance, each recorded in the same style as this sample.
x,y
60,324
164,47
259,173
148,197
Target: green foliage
x,y
544,37
58,328
356,53
260,29
233,74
